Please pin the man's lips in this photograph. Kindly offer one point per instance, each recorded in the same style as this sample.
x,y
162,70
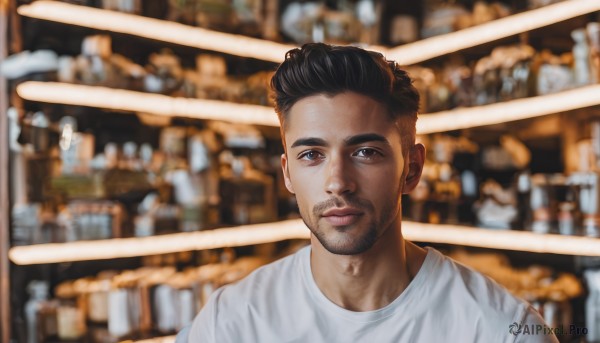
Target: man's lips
x,y
340,212
342,216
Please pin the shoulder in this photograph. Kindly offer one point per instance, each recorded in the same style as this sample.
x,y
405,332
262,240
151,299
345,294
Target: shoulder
x,y
532,329
474,286
477,297
230,307
264,280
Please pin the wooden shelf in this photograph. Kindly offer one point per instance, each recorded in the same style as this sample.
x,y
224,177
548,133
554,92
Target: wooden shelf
x,y
166,339
125,100
503,112
160,244
429,48
238,45
502,239
296,229
460,118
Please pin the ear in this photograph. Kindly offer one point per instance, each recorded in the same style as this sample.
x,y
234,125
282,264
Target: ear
x,y
416,159
286,173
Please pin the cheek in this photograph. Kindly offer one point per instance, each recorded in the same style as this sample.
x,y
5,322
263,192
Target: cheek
x,y
303,178
383,175
305,205
304,186
384,184
387,189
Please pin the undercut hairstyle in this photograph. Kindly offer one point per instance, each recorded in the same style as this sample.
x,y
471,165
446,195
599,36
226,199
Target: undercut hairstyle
x,y
318,68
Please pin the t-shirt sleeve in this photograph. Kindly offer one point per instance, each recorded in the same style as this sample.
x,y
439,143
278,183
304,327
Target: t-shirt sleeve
x,y
204,325
182,336
532,317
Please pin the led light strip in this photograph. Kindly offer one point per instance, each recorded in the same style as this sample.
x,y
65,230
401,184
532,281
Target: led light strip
x,y
125,100
270,51
295,229
166,339
439,45
161,244
502,239
462,118
157,29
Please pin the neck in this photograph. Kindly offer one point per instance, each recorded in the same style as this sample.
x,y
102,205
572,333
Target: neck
x,y
370,280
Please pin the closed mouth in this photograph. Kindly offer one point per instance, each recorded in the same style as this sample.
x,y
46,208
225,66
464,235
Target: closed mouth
x,y
342,212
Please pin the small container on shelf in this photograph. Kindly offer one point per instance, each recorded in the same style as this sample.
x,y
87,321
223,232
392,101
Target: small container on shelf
x,y
71,312
40,313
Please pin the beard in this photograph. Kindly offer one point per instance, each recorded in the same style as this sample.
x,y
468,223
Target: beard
x,y
351,239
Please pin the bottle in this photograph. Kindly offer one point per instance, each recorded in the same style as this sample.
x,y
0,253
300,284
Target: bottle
x,y
70,321
119,323
130,161
445,183
403,28
40,313
568,213
566,220
124,306
540,205
368,13
40,134
247,194
72,309
593,32
26,223
448,190
581,56
270,29
524,215
588,202
592,305
111,154
76,148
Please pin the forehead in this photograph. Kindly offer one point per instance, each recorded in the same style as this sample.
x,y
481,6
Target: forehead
x,y
343,115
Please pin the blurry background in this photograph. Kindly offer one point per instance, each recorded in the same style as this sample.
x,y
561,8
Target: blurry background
x,y
139,163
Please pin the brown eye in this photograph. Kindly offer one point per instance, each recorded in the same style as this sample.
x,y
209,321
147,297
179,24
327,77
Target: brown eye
x,y
367,153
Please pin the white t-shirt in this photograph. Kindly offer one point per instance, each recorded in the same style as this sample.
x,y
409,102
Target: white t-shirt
x,y
445,302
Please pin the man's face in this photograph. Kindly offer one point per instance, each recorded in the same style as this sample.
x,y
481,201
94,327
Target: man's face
x,y
344,163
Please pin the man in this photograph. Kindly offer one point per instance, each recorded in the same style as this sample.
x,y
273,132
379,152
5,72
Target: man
x,y
348,128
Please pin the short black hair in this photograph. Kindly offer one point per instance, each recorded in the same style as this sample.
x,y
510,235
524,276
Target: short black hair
x,y
318,68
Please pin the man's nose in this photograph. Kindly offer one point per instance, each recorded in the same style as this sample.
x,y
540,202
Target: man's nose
x,y
340,178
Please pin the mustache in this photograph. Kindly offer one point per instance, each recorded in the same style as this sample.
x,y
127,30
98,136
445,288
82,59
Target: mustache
x,y
357,203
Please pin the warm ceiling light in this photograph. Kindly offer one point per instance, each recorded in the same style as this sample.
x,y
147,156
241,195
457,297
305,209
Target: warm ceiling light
x,y
463,118
157,29
437,46
125,100
161,244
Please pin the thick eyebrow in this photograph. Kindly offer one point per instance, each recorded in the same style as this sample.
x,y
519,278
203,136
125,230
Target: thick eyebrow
x,y
309,142
353,140
364,138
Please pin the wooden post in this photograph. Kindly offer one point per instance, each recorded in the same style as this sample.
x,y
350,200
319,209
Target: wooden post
x,y
5,321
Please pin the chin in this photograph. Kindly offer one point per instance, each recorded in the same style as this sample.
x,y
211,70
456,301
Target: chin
x,y
346,249
342,242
